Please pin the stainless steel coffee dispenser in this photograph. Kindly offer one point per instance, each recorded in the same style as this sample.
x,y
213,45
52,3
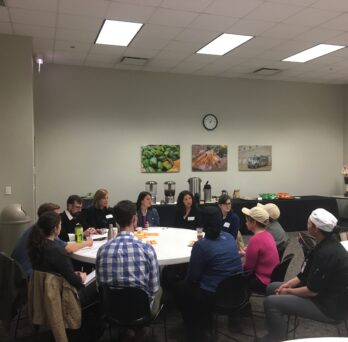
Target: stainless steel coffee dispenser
x,y
195,187
151,187
169,191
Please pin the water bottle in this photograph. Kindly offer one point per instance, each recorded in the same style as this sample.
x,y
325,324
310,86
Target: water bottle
x,y
78,233
110,232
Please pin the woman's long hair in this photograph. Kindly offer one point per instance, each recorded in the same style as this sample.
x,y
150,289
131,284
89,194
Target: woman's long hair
x,y
99,194
180,202
37,239
141,196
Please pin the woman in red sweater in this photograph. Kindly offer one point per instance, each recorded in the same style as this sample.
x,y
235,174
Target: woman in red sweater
x,y
261,255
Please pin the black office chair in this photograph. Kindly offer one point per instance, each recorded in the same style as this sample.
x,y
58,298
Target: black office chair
x,y
281,248
279,272
328,320
307,242
127,308
231,298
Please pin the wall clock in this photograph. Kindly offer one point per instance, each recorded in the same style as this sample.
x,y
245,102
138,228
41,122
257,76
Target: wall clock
x,y
210,122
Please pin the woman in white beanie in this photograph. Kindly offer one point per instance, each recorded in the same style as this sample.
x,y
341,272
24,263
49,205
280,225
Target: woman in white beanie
x,y
317,291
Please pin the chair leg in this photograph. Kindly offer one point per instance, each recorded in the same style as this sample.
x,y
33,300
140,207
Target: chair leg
x,y
17,321
165,324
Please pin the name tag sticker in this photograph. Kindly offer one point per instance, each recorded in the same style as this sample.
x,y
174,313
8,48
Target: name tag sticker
x,y
227,225
190,218
109,216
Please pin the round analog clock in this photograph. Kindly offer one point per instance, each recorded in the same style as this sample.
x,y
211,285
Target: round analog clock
x,y
210,122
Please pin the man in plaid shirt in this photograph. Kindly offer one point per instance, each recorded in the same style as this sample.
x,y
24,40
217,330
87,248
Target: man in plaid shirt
x,y
127,261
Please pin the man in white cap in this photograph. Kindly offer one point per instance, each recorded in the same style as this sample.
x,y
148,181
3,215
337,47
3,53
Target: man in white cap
x,y
317,291
280,237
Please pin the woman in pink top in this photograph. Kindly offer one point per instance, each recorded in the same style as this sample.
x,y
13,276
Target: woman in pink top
x,y
261,256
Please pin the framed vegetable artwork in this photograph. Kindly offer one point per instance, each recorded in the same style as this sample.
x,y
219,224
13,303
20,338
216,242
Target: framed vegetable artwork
x,y
209,157
160,158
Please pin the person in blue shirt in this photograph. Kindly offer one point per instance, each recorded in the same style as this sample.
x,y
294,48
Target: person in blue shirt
x,y
229,220
20,251
213,259
147,216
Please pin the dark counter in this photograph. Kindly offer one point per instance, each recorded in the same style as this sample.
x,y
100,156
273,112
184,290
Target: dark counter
x,y
293,212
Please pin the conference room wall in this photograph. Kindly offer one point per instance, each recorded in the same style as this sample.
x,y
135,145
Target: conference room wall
x,y
17,122
345,128
90,124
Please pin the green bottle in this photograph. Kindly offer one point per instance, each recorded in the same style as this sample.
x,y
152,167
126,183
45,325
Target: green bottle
x,y
78,233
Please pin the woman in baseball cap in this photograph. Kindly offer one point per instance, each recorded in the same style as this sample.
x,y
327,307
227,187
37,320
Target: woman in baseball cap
x,y
261,255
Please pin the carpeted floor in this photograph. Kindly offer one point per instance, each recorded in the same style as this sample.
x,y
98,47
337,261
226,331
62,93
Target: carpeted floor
x,y
306,328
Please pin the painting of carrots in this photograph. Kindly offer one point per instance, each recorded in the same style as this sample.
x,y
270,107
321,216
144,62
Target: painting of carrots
x,y
209,157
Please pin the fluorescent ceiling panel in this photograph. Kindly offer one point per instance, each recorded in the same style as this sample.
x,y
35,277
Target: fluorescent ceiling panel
x,y
118,33
314,52
223,44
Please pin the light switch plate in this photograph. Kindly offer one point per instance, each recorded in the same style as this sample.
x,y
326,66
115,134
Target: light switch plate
x,y
8,190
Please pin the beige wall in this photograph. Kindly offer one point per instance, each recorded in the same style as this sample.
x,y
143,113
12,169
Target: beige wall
x,y
90,124
16,128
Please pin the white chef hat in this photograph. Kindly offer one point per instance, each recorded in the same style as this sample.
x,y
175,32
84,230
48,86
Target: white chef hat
x,y
323,220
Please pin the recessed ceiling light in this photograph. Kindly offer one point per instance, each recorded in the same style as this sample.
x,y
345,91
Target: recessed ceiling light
x,y
314,52
223,44
118,33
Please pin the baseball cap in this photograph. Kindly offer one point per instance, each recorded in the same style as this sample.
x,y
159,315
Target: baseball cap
x,y
257,213
323,220
272,209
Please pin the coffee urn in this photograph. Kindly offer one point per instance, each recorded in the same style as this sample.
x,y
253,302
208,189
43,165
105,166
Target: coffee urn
x,y
169,192
151,187
195,187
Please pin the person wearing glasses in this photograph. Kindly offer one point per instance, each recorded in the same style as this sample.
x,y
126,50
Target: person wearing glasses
x,y
229,220
71,217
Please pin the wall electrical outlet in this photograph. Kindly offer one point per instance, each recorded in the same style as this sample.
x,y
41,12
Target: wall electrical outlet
x,y
8,190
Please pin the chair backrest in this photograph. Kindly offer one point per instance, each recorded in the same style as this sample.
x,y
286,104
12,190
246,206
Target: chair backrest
x,y
126,306
281,248
307,242
232,293
278,273
13,287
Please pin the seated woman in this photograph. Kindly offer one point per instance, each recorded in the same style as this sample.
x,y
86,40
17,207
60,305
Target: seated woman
x,y
147,216
48,256
99,215
229,220
261,255
213,259
187,214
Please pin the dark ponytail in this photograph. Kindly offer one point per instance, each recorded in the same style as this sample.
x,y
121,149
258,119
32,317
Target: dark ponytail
x,y
43,228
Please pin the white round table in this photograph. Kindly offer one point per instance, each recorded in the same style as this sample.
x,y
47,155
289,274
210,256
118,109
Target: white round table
x,y
320,339
172,246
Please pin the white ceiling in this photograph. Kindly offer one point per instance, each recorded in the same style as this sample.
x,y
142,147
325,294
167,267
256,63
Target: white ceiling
x,y
64,32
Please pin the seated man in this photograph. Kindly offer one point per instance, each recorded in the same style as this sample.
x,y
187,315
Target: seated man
x,y
280,237
213,259
20,253
128,262
71,217
316,292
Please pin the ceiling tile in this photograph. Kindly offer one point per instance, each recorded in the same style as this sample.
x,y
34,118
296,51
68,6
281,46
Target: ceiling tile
x,y
34,31
23,16
149,43
233,8
197,36
340,5
76,35
129,12
311,17
172,18
183,46
6,28
101,58
76,22
151,31
4,17
141,53
141,2
159,62
93,8
96,64
72,46
187,5
339,23
213,22
304,3
72,56
250,27
273,12
319,35
107,49
285,31
173,54
41,5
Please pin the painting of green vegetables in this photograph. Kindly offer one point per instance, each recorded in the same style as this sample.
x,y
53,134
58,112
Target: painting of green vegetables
x,y
160,158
